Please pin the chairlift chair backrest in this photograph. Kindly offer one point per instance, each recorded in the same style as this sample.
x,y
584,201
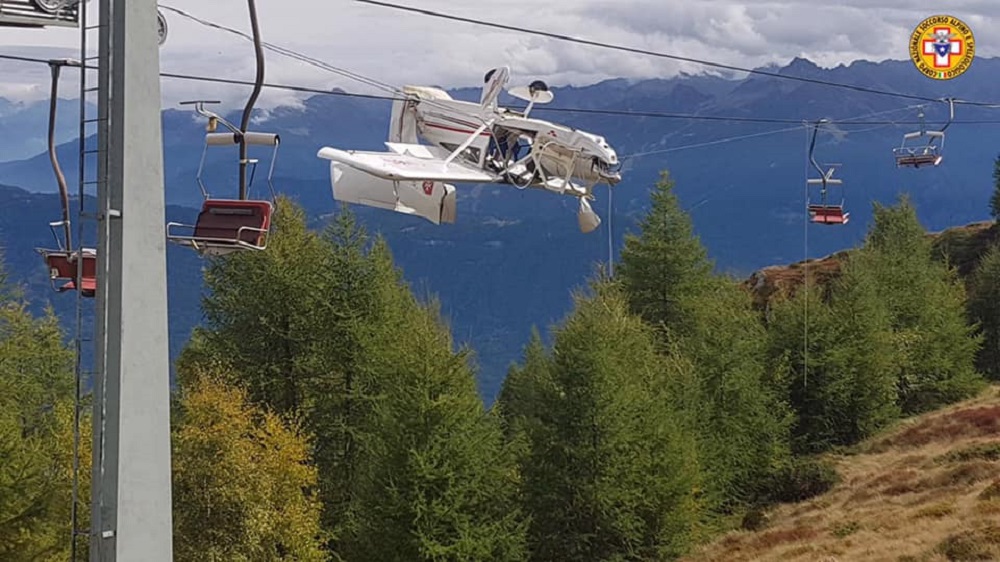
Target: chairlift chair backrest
x,y
828,214
232,219
226,225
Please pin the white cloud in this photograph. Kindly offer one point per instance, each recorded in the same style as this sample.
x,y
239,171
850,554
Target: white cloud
x,y
399,47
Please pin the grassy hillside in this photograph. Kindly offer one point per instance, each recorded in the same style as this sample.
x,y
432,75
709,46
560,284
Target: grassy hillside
x,y
961,246
927,490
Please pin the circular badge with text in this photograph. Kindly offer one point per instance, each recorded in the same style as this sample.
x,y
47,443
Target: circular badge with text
x,y
942,47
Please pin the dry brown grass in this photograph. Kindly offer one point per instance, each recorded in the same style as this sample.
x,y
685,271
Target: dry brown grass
x,y
926,491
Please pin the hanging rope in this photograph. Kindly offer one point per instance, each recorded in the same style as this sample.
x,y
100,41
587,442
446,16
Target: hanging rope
x,y
805,267
611,247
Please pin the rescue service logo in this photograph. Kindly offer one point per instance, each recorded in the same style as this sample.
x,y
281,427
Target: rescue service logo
x,y
942,47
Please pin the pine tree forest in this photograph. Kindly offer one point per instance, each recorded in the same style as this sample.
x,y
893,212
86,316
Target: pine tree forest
x,y
323,412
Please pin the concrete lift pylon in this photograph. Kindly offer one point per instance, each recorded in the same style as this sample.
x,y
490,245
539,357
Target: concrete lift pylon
x,y
131,500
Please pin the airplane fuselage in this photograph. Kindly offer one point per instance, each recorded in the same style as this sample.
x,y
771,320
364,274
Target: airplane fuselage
x,y
561,152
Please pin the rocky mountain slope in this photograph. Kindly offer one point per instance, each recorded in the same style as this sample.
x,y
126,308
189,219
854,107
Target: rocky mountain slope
x,y
961,246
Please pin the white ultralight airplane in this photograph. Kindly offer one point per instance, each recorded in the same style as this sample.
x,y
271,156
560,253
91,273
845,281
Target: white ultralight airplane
x,y
471,143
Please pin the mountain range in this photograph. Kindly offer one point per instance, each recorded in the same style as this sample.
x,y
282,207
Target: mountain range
x,y
513,257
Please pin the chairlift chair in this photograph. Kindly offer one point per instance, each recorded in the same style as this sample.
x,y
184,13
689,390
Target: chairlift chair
x,y
828,214
916,156
72,266
228,225
823,212
927,154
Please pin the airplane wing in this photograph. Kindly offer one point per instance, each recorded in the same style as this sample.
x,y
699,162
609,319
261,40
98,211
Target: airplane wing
x,y
408,162
434,201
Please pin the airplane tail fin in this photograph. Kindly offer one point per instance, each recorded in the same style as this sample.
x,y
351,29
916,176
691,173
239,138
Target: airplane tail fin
x,y
403,123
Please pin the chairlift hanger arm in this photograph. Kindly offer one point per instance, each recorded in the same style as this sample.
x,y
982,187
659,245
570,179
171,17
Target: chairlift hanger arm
x,y
258,85
923,120
56,66
812,149
951,112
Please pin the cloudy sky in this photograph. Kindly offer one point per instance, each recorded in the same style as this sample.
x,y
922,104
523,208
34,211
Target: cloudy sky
x,y
399,47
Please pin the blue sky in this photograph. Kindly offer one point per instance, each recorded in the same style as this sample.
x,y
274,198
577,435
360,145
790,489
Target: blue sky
x,y
402,48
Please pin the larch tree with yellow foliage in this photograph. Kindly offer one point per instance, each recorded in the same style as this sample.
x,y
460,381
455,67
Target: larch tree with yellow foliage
x,y
244,483
36,404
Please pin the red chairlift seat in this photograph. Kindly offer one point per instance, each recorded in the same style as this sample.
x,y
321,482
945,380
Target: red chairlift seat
x,y
828,214
226,225
917,157
64,264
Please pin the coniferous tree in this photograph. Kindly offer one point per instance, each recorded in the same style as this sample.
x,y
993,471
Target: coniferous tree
x,y
36,404
611,467
243,479
526,389
984,310
435,479
842,380
743,422
995,198
926,304
64,458
326,326
743,415
664,266
869,357
523,401
286,324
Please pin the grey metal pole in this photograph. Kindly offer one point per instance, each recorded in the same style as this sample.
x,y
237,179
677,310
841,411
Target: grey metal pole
x,y
134,488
